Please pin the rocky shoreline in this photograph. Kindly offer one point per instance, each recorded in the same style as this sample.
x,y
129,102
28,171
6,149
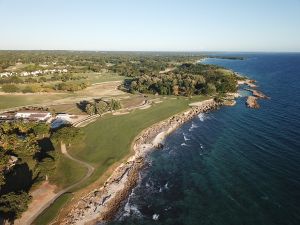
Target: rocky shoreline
x,y
251,101
101,204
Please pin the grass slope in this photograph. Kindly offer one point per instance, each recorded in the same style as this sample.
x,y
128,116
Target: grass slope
x,y
67,172
108,140
9,101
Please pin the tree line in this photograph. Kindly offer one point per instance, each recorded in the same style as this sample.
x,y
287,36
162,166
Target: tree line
x,y
99,106
187,80
27,156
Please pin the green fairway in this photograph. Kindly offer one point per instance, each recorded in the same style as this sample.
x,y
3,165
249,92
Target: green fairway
x,y
9,101
108,140
12,100
102,77
67,172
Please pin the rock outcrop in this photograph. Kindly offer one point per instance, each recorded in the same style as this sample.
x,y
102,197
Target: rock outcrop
x,y
252,102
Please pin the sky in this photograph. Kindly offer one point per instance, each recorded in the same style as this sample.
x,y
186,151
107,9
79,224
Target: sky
x,y
151,25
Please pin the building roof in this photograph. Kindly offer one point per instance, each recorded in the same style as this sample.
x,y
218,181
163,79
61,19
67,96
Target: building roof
x,y
33,111
37,115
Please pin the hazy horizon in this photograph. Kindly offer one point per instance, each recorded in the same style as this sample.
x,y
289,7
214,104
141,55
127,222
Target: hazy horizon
x,y
156,26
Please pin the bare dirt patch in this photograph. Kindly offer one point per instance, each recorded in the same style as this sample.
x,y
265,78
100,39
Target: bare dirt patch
x,y
40,196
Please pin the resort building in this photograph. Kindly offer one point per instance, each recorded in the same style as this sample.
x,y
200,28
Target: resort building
x,y
33,115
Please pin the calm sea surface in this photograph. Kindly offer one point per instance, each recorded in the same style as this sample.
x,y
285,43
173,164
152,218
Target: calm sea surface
x,y
233,166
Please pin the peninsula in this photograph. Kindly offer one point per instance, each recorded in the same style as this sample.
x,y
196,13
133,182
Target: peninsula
x,y
92,117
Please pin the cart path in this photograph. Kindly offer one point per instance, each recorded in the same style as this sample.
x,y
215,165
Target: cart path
x,y
43,199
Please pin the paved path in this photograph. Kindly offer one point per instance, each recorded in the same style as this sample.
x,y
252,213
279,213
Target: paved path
x,y
28,219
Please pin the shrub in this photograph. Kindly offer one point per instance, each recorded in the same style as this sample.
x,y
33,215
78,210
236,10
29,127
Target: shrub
x,y
10,88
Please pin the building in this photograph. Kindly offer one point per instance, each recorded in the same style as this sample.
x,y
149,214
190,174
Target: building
x,y
33,115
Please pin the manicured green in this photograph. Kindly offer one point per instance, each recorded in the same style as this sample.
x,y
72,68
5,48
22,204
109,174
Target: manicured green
x,y
67,172
109,139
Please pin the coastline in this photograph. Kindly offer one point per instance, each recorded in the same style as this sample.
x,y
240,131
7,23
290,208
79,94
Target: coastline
x,y
102,203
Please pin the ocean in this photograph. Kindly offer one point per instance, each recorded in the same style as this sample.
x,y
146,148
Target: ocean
x,y
232,166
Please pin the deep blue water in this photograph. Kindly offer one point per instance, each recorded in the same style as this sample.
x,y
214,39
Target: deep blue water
x,y
233,166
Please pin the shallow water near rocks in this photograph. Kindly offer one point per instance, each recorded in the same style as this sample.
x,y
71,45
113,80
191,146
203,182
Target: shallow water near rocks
x,y
230,166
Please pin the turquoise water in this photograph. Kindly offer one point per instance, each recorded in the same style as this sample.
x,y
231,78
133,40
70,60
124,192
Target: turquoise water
x,y
231,166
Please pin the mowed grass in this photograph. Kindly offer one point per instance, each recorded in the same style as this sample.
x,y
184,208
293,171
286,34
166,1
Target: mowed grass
x,y
108,140
102,77
67,172
47,216
10,101
70,108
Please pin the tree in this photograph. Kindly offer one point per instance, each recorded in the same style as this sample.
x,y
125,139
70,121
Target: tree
x,y
9,88
101,107
13,204
90,109
5,127
210,89
67,135
21,126
3,163
41,129
32,88
114,104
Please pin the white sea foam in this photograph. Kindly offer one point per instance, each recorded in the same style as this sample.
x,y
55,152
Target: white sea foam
x,y
201,116
166,185
185,137
193,126
183,144
155,216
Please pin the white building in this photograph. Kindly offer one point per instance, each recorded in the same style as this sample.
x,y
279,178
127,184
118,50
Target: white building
x,y
63,116
33,115
6,74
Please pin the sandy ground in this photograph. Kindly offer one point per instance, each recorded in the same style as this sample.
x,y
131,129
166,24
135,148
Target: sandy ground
x,y
105,89
44,193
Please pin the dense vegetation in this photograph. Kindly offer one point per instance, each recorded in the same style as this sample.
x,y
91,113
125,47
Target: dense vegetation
x,y
83,61
99,106
44,83
162,73
187,79
27,156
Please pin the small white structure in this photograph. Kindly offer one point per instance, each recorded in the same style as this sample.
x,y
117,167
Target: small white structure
x,y
61,119
33,115
6,74
63,116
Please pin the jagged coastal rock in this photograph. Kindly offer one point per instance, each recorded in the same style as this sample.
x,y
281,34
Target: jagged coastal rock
x,y
252,102
101,204
258,94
